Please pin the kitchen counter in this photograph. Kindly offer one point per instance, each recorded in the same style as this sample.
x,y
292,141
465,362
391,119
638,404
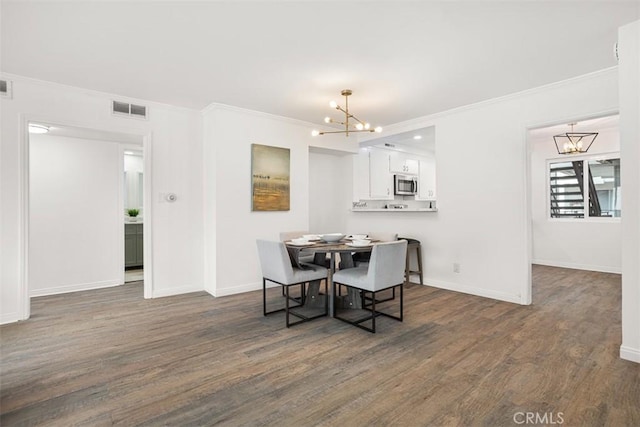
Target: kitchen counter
x,y
127,222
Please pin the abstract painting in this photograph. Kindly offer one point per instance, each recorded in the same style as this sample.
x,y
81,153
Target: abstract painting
x,y
269,178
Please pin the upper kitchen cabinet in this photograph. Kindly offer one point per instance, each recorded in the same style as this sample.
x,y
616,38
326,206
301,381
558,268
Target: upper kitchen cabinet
x,y
403,163
380,180
427,179
361,176
371,177
409,153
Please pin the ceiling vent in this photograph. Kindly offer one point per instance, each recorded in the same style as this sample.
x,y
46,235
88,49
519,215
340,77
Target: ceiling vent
x,y
6,88
129,110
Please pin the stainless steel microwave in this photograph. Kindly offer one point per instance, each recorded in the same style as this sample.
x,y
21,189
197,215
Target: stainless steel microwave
x,y
405,185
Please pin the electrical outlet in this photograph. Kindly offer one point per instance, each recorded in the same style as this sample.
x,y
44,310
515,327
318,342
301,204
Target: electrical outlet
x,y
456,267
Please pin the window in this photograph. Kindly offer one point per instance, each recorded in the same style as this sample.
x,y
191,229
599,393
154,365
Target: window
x,y
592,183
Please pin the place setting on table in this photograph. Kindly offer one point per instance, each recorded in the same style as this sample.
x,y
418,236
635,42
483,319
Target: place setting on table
x,y
331,243
331,240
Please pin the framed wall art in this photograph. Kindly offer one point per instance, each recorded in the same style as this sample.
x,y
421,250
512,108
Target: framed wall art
x,y
270,176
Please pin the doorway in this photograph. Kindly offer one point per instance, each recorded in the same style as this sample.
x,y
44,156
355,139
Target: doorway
x,y
74,202
574,221
133,198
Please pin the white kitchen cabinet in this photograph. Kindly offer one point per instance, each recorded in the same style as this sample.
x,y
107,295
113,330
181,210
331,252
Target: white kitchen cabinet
x,y
380,180
361,176
401,163
427,179
371,177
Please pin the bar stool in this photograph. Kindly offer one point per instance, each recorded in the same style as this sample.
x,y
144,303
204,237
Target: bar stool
x,y
413,244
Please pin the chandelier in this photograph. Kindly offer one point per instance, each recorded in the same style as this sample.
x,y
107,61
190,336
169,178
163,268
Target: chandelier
x,y
574,142
351,123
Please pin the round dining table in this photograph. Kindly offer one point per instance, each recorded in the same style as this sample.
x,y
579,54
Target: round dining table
x,y
321,248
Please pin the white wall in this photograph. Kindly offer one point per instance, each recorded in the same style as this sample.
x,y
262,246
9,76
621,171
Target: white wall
x,y
585,244
231,227
174,141
329,192
74,215
629,69
482,222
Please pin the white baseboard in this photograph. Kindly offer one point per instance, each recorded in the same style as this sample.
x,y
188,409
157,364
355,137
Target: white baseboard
x,y
10,318
159,293
247,287
73,288
578,266
631,354
472,290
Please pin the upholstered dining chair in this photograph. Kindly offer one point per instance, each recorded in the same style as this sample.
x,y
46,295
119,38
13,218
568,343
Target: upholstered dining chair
x,y
362,257
276,268
385,271
288,235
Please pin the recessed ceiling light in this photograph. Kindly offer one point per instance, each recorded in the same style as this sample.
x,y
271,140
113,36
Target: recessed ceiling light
x,y
33,128
417,137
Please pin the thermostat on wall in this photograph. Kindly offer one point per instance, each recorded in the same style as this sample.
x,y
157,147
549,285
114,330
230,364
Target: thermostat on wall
x,y
171,197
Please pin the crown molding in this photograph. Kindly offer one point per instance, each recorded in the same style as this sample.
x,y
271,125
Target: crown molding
x,y
90,92
429,120
214,106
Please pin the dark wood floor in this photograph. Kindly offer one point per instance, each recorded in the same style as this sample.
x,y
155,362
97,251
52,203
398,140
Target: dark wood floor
x,y
109,357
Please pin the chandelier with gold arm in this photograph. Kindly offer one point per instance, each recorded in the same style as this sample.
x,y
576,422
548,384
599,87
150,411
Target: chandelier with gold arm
x,y
351,123
574,142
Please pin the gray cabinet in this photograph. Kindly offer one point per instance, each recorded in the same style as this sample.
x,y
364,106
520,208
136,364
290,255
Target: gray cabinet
x,y
133,245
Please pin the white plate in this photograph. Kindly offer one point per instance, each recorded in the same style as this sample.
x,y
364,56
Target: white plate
x,y
301,244
357,246
311,237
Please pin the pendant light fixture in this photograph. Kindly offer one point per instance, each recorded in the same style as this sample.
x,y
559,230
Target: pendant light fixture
x,y
574,142
351,123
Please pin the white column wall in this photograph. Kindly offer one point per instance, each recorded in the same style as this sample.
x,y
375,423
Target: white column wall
x,y
585,244
483,214
629,70
330,191
232,263
74,217
175,139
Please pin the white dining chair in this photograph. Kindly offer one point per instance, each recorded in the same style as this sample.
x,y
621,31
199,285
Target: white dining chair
x,y
385,271
276,268
288,235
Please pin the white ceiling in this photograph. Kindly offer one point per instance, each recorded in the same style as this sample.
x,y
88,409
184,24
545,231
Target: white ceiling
x,y
402,59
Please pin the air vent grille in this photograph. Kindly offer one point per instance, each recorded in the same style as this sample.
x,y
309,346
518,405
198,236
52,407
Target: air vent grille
x,y
5,88
129,110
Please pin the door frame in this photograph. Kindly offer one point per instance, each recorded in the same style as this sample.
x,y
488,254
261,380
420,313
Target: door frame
x,y
25,119
527,294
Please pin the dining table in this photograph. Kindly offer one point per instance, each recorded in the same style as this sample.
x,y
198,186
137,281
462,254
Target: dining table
x,y
343,247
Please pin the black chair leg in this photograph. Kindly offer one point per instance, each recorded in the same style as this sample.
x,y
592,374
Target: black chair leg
x,y
286,306
264,296
401,302
373,313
